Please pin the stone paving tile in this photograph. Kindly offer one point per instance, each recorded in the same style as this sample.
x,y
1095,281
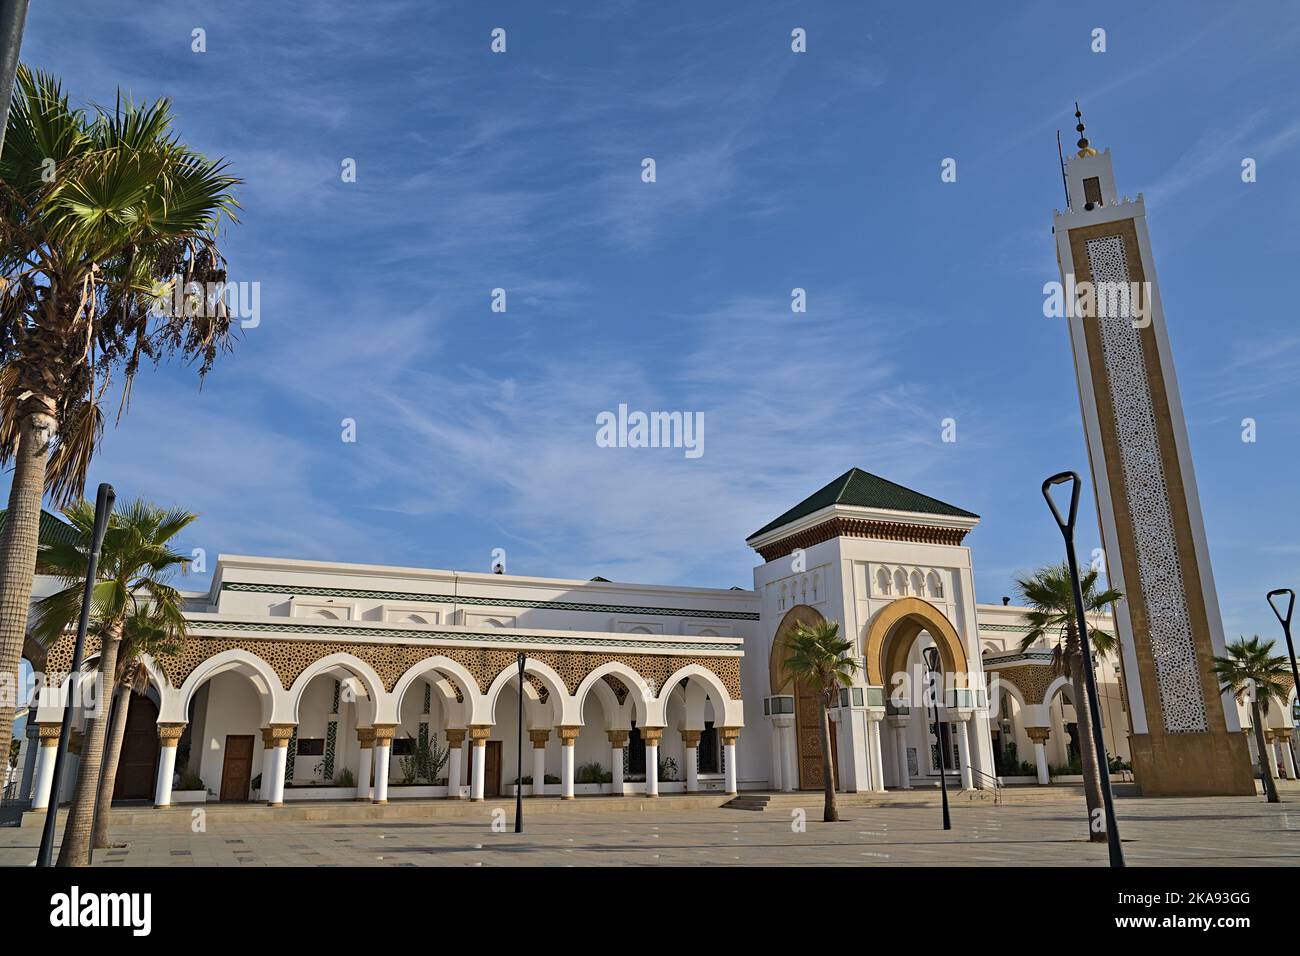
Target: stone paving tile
x,y
1185,832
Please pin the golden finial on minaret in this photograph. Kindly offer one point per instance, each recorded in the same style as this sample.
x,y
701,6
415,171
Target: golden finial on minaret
x,y
1084,148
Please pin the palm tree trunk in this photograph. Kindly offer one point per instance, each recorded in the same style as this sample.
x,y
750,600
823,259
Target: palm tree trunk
x,y
830,813
18,543
75,850
1088,755
112,753
1270,788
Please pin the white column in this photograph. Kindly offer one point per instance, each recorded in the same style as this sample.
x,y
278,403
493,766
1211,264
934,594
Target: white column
x,y
49,740
900,753
876,758
691,756
729,736
365,755
568,742
280,751
651,737
789,773
31,746
617,741
169,735
963,754
268,764
478,769
455,762
1039,736
539,738
1271,747
382,757
1288,759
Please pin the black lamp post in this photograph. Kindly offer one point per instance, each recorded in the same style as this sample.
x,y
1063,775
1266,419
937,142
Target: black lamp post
x,y
1285,621
103,508
931,656
519,769
1103,765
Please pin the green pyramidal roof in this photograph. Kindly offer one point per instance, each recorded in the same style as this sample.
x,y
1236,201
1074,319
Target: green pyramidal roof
x,y
861,489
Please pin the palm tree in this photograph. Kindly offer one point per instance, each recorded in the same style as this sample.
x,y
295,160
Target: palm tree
x,y
147,631
99,215
1049,594
1253,674
816,656
136,561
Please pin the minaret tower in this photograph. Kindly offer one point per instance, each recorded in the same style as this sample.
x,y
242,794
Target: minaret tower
x,y
1185,736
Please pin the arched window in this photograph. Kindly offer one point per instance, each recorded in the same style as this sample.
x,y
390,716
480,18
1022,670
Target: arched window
x,y
327,615
918,585
936,585
882,580
900,582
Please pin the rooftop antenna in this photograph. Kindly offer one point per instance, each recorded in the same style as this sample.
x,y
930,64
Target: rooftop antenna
x,y
1064,182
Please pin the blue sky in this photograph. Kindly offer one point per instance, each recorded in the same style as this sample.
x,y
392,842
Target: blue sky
x,y
475,430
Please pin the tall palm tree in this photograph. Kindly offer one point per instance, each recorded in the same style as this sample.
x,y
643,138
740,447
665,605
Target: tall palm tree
x,y
1049,594
1253,674
100,213
147,631
135,564
816,656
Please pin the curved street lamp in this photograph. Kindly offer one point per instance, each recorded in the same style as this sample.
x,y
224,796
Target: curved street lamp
x,y
1285,621
931,657
1103,764
519,749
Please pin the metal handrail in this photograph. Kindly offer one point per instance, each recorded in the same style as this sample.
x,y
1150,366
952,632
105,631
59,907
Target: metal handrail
x,y
997,784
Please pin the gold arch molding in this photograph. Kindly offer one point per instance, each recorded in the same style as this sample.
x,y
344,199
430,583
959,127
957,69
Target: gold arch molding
x,y
892,631
778,679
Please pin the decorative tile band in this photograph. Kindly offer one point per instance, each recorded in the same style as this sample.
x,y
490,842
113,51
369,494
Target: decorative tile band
x,y
330,632
416,596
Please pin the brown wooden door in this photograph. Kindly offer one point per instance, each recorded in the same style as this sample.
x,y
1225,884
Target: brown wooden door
x,y
492,769
137,766
807,731
237,770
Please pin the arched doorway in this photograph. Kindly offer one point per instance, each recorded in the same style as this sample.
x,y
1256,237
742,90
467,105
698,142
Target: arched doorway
x,y
807,708
138,764
892,646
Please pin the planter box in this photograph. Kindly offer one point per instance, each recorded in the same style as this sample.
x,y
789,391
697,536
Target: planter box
x,y
189,796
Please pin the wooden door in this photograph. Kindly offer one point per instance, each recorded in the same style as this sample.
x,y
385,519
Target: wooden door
x,y
137,767
237,769
807,731
492,769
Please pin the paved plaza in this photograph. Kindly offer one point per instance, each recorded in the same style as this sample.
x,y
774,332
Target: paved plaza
x,y
1044,830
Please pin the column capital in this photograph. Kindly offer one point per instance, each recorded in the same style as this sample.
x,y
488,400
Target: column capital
x,y
730,734
539,738
1039,735
366,737
568,735
617,738
49,734
169,735
479,734
651,735
278,735
1283,733
1269,733
384,734
690,738
455,737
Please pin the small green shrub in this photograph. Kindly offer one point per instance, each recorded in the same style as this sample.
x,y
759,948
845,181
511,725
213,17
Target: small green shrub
x,y
344,778
192,781
592,773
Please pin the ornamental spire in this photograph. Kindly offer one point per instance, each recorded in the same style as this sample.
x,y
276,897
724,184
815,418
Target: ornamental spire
x,y
1084,148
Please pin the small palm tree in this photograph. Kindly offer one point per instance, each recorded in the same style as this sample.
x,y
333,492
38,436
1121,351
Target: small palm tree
x,y
147,632
816,656
136,562
1253,674
100,212
1049,594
